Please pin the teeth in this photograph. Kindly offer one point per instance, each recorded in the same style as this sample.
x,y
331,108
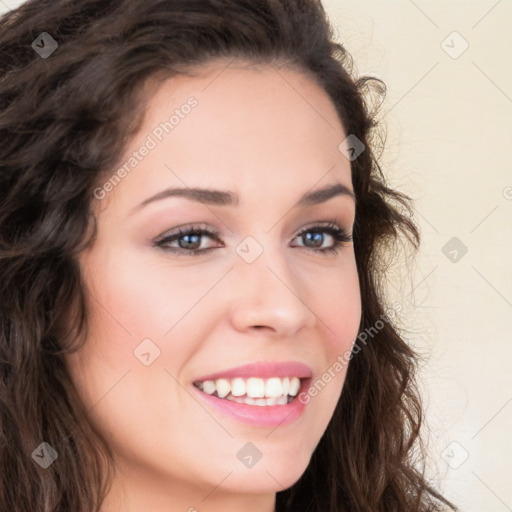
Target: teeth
x,y
254,390
282,400
209,387
285,385
223,387
255,387
274,387
238,387
294,386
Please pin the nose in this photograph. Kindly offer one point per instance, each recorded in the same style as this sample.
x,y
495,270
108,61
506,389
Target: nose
x,y
268,297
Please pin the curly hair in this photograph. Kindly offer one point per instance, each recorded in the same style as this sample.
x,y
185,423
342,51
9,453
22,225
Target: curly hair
x,y
64,123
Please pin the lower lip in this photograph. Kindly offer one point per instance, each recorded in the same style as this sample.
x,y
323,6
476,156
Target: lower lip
x,y
257,415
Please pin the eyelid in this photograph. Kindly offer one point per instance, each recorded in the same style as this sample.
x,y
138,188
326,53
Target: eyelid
x,y
187,228
333,224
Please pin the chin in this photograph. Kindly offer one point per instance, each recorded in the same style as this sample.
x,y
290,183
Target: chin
x,y
270,477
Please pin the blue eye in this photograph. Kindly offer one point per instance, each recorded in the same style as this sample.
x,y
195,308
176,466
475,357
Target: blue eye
x,y
316,236
189,241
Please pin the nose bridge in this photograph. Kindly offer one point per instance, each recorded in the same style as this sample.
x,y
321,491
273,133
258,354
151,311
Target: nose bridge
x,y
268,293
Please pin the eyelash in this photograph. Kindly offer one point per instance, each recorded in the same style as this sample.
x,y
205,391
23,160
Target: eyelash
x,y
339,235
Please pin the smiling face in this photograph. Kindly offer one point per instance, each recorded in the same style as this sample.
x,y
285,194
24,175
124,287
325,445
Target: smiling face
x,y
186,289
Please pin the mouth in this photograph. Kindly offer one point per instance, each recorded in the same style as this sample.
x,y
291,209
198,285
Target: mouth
x,y
253,390
259,394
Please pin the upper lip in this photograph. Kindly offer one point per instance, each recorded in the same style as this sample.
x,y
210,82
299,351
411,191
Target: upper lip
x,y
262,370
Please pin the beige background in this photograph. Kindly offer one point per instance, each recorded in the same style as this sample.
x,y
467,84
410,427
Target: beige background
x,y
449,114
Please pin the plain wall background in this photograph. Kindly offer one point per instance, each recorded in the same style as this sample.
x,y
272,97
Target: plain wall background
x,y
448,114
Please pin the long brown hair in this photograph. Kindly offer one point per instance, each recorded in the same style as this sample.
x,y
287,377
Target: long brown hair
x,y
65,119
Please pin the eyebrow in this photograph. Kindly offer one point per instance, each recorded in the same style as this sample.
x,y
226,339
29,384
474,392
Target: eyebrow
x,y
226,198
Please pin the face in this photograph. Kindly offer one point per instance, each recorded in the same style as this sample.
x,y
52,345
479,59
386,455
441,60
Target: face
x,y
250,291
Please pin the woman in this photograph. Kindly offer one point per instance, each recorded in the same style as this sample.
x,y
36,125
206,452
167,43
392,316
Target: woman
x,y
193,228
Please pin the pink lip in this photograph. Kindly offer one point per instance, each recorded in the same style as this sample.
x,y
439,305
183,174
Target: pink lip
x,y
263,370
268,415
255,415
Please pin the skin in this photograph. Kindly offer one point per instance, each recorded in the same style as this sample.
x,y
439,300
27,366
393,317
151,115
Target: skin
x,y
269,135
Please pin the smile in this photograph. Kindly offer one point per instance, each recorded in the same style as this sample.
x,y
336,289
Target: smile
x,y
259,394
253,390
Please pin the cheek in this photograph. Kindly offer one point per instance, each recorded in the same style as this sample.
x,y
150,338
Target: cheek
x,y
144,296
336,301
131,308
139,312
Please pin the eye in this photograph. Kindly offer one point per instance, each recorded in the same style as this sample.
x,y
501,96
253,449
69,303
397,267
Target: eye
x,y
193,240
188,241
315,238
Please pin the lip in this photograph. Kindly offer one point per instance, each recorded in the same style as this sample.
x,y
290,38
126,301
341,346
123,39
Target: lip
x,y
262,370
256,415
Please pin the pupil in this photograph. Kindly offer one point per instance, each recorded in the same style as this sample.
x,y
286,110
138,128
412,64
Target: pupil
x,y
315,237
190,240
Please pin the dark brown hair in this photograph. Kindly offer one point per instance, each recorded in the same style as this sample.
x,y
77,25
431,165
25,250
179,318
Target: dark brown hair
x,y
64,123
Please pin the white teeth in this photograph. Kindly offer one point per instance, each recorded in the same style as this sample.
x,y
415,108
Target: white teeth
x,y
273,388
285,386
294,386
209,387
223,387
255,387
282,400
238,387
254,390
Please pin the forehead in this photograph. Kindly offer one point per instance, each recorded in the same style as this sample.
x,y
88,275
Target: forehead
x,y
237,126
